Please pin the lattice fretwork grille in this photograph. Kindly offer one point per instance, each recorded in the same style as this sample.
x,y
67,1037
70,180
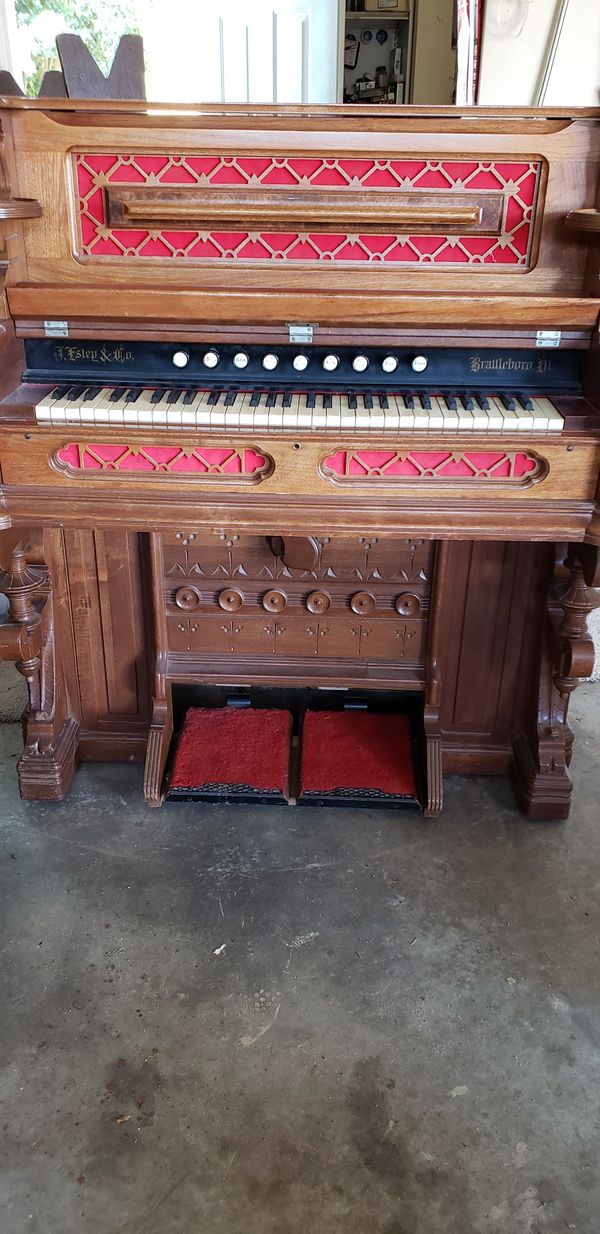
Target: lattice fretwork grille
x,y
516,184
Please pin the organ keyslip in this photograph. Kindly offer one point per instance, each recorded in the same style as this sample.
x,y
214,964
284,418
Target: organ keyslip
x,y
307,400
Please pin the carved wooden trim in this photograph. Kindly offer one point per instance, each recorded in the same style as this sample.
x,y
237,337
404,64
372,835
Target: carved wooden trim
x,y
211,464
445,466
443,211
20,208
318,210
540,771
583,220
48,761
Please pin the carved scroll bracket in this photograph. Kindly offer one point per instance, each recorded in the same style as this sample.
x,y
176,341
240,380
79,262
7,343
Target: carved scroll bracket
x,y
23,639
542,782
575,653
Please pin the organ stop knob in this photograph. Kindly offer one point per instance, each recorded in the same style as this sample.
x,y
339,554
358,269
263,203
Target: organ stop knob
x,y
270,361
330,363
180,358
360,363
241,359
210,359
389,364
419,363
300,363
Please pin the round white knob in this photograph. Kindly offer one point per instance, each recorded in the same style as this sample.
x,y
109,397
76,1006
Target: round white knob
x,y
360,363
330,363
210,359
270,361
300,362
389,364
419,363
241,359
180,358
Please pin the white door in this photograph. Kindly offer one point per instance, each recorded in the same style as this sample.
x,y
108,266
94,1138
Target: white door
x,y
241,51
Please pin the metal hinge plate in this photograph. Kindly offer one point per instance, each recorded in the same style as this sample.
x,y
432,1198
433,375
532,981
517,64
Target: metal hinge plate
x,y
56,329
301,333
548,338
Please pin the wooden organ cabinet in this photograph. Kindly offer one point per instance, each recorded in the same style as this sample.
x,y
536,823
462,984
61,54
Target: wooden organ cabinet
x,y
300,398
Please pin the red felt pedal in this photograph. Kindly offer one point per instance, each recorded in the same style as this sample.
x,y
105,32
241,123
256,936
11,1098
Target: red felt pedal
x,y
226,754
357,756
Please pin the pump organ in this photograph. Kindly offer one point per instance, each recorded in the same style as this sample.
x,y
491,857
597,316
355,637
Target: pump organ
x,y
305,397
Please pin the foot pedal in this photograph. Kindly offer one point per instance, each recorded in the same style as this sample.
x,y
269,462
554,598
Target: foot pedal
x,y
232,754
357,758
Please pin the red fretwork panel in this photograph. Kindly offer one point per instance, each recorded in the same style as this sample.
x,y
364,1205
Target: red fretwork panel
x,y
212,463
514,183
484,466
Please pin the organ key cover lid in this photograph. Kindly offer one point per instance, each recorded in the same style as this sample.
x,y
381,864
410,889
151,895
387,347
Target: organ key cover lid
x,y
180,214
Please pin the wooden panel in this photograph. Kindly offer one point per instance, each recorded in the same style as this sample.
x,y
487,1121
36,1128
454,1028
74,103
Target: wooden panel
x,y
109,618
494,609
261,284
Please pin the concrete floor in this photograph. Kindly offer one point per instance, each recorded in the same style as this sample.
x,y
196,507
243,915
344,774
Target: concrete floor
x,y
222,1021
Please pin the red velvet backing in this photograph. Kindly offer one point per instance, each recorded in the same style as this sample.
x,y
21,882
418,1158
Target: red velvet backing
x,y
222,745
356,749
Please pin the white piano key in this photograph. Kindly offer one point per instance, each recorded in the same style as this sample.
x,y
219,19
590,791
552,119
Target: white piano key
x,y
543,410
466,418
496,415
436,415
335,412
422,415
290,414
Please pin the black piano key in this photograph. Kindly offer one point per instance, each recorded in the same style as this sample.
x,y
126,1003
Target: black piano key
x,y
230,397
409,401
255,398
133,395
75,392
525,401
287,399
467,401
91,392
368,400
156,396
116,394
327,400
173,396
311,399
214,397
352,400
450,401
271,398
508,402
482,400
59,392
425,401
189,396
383,401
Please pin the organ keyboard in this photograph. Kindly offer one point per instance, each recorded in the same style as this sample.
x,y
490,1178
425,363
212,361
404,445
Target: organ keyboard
x,y
297,455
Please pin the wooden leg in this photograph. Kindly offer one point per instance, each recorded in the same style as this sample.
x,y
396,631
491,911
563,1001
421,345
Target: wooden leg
x,y
159,740
541,758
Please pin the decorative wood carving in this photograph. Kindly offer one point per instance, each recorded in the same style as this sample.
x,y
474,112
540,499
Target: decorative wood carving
x,y
179,462
521,467
442,211
542,782
49,756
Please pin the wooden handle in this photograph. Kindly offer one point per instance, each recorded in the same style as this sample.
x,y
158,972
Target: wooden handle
x,y
583,220
20,208
318,210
